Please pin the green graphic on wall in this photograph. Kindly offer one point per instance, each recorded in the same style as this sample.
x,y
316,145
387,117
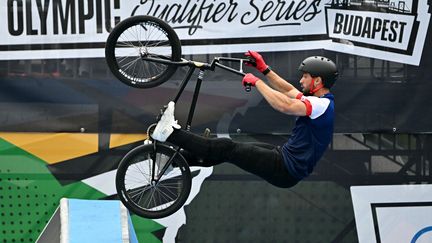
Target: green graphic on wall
x,y
30,193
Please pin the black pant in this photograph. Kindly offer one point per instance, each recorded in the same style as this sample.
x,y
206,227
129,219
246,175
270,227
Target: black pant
x,y
263,160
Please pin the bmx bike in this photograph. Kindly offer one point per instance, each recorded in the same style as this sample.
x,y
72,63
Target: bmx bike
x,y
154,180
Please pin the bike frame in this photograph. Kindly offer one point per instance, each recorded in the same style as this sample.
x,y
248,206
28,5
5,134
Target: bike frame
x,y
193,65
202,67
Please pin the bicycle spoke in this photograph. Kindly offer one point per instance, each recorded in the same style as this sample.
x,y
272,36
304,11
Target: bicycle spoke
x,y
142,170
129,64
142,39
165,196
152,197
137,191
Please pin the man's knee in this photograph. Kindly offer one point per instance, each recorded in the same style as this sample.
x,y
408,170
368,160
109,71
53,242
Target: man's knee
x,y
221,148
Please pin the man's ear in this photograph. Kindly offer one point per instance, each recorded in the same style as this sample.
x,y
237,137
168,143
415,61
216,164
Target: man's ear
x,y
317,80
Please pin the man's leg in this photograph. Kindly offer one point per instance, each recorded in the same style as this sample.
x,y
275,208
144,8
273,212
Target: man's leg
x,y
211,151
263,160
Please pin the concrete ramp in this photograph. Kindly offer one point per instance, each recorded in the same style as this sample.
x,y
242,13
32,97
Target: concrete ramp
x,y
81,221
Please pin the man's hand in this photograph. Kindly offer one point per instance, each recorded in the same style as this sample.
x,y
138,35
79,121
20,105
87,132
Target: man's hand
x,y
249,79
257,61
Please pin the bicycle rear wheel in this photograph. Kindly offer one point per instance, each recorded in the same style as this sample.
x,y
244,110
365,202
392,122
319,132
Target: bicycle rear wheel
x,y
146,191
137,37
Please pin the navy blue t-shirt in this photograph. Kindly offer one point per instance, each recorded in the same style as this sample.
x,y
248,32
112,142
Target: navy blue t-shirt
x,y
311,135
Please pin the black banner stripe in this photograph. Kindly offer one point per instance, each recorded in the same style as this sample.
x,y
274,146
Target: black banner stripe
x,y
90,45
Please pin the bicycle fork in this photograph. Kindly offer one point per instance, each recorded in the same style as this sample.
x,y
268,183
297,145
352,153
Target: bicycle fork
x,y
155,178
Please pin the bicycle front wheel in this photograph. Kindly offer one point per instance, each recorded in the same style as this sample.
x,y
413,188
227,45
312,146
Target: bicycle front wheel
x,y
147,191
138,37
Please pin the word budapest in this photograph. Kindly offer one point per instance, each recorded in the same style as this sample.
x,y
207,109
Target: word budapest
x,y
59,16
368,27
380,29
199,12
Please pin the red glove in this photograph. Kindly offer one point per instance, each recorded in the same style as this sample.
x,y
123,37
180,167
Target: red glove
x,y
258,63
250,79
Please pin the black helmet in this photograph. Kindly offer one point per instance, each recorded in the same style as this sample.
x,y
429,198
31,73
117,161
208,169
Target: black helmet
x,y
322,67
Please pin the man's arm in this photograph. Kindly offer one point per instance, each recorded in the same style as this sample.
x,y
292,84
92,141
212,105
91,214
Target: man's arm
x,y
281,101
275,80
282,85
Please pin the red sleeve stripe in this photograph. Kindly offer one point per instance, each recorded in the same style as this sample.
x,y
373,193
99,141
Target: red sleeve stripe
x,y
308,106
306,102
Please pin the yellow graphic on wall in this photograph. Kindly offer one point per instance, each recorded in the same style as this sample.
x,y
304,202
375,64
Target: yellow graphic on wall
x,y
57,147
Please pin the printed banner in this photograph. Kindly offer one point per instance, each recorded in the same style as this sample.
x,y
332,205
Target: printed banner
x,y
391,30
399,213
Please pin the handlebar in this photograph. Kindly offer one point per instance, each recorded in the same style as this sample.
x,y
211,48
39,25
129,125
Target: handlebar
x,y
207,66
248,86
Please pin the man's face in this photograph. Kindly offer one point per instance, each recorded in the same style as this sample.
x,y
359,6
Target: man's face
x,y
305,83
